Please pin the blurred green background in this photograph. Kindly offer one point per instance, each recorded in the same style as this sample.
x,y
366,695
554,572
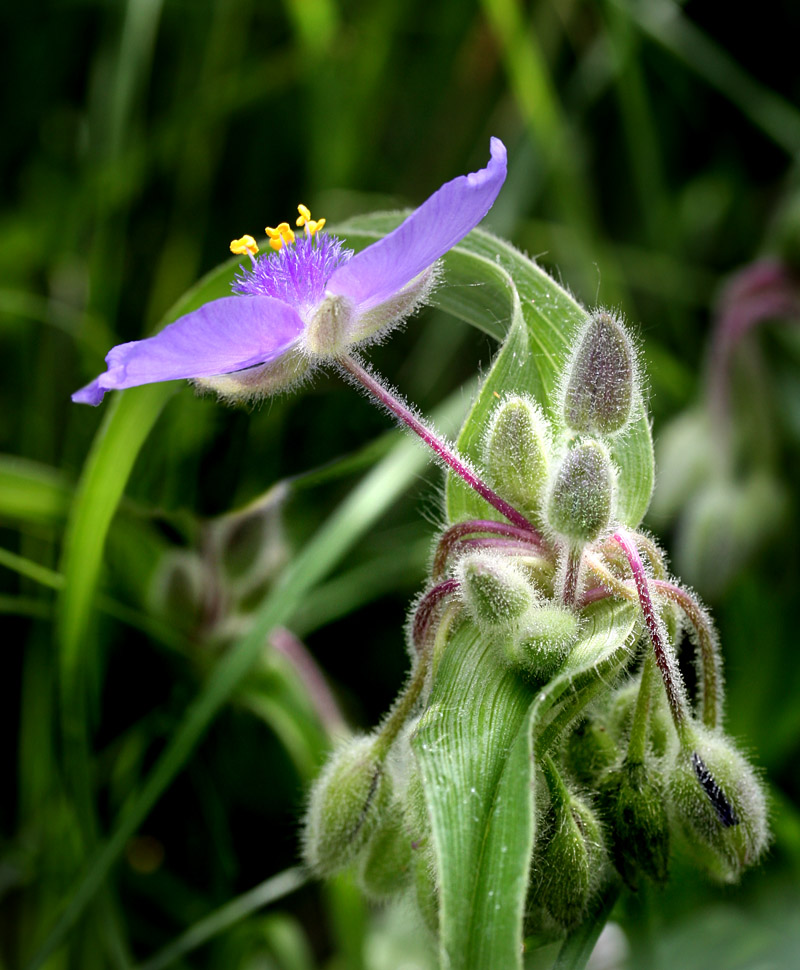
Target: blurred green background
x,y
652,159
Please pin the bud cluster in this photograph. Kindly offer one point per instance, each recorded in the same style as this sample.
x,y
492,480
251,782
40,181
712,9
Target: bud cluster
x,y
636,767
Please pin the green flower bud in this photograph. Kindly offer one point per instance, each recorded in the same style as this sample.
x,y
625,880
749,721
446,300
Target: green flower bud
x,y
495,591
720,805
590,751
633,802
568,870
549,631
346,805
385,867
582,493
516,453
250,543
599,389
180,590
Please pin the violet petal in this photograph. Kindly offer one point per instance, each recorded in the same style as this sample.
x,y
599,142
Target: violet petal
x,y
374,275
220,337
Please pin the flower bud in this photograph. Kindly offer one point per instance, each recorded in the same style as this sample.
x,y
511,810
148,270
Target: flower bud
x,y
719,802
345,807
568,870
385,867
180,590
544,641
633,802
590,751
495,591
599,389
516,453
582,493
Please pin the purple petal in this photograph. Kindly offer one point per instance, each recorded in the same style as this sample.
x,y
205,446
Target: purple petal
x,y
374,275
222,336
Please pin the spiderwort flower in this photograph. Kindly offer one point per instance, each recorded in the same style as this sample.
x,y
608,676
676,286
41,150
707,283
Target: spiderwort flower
x,y
307,301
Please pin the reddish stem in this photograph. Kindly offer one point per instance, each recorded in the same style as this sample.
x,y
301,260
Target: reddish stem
x,y
286,643
708,649
401,411
451,537
669,672
595,594
426,608
572,571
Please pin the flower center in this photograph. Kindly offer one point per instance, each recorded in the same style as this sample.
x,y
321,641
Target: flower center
x,y
297,271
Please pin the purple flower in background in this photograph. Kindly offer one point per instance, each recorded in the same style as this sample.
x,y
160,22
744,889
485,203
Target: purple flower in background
x,y
308,301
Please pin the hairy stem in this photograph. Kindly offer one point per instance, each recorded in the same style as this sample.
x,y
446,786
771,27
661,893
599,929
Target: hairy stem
x,y
637,741
445,453
407,701
426,608
676,694
452,536
710,660
572,570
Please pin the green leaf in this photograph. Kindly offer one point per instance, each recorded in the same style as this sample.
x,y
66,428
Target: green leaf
x,y
491,285
475,761
32,492
474,745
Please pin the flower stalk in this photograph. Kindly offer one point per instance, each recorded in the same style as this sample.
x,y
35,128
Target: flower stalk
x,y
377,390
676,694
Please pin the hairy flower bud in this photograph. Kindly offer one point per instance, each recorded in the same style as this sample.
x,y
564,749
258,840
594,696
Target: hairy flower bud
x,y
516,453
495,591
345,807
385,867
632,799
590,751
544,641
568,870
719,802
599,389
582,493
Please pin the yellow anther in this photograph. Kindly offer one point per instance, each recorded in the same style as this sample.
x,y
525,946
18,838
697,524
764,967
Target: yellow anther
x,y
279,236
304,219
244,245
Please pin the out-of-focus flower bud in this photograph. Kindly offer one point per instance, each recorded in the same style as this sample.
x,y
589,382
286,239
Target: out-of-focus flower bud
x,y
346,805
590,751
632,799
180,590
385,867
516,453
582,493
601,377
